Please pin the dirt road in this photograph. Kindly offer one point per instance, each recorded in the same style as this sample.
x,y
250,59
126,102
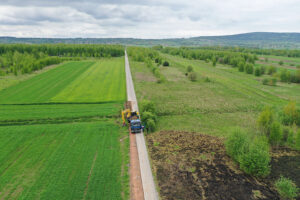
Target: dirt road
x,y
149,189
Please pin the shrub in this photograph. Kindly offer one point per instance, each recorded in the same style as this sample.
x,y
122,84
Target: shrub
x,y
285,133
158,60
262,70
275,136
214,62
189,69
290,114
265,81
290,138
150,126
148,115
241,66
147,106
273,82
249,68
270,82
280,62
207,80
257,71
272,70
192,76
237,144
285,76
256,160
265,120
286,188
166,64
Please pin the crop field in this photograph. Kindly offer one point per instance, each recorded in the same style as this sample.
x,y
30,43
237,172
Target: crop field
x,y
54,113
67,161
96,85
84,81
60,133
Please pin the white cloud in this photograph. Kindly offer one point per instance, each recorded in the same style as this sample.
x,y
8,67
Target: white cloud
x,y
146,19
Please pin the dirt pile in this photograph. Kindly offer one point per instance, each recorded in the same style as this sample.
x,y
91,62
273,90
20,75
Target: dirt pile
x,y
194,166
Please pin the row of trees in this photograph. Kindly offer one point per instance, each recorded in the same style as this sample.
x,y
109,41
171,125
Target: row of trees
x,y
223,57
66,50
25,58
275,52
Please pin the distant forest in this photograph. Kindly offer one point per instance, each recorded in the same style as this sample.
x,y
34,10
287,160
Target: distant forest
x,y
265,40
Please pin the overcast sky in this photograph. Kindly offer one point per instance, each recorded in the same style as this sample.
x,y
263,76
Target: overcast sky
x,y
146,18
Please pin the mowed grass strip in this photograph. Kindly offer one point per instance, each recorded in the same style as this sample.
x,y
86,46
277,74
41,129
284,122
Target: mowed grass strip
x,y
57,111
104,81
43,87
67,161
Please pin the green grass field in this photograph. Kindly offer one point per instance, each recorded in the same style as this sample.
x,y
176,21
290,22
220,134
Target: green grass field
x,y
86,81
220,99
96,85
43,87
61,135
68,161
54,113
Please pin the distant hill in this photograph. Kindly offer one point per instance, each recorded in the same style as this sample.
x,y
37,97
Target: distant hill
x,y
255,39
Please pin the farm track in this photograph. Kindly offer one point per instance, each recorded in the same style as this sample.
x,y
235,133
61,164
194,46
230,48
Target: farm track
x,y
148,184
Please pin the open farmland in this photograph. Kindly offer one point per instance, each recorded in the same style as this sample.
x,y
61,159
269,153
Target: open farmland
x,y
96,85
67,161
84,81
194,119
56,113
60,134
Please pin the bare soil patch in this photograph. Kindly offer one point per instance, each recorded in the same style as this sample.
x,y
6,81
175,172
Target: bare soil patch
x,y
140,76
286,162
195,166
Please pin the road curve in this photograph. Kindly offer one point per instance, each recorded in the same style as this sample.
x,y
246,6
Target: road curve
x,y
149,189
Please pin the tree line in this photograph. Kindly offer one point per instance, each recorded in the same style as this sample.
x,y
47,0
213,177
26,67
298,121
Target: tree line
x,y
223,57
276,52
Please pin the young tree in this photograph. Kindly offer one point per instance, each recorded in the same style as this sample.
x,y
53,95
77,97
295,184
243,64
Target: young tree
x,y
241,66
249,68
257,71
192,76
189,69
265,120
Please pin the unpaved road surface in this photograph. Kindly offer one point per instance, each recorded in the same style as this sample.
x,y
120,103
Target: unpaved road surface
x,y
149,189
